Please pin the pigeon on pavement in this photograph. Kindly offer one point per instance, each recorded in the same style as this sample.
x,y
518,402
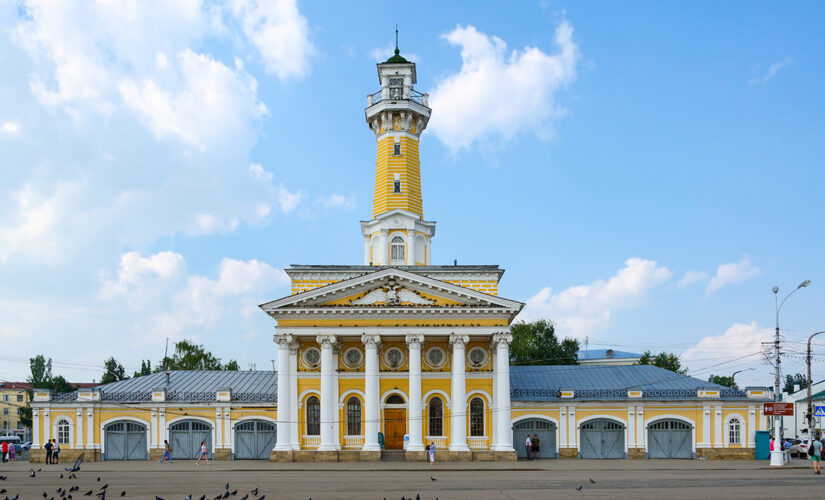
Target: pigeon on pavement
x,y
591,481
578,488
88,493
123,493
31,473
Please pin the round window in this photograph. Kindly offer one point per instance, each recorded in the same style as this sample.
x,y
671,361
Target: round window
x,y
312,357
477,357
394,357
353,357
436,357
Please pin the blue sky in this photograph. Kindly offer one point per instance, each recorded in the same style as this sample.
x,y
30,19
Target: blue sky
x,y
645,172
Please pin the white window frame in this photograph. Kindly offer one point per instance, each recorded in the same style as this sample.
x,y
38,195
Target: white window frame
x,y
69,430
734,430
397,251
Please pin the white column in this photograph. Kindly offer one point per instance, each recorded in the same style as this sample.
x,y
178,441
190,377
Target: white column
x,y
502,381
411,247
162,432
284,393
36,429
383,252
494,402
458,396
47,427
293,400
328,403
562,428
641,437
219,429
717,420
416,435
751,425
78,442
227,429
631,427
706,409
367,250
572,435
371,416
335,397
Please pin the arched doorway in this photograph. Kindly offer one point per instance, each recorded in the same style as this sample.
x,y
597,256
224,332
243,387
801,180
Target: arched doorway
x,y
545,429
602,438
254,439
395,422
186,437
669,438
125,440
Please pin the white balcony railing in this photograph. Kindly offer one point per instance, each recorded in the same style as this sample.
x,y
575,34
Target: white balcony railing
x,y
354,442
478,442
311,442
440,442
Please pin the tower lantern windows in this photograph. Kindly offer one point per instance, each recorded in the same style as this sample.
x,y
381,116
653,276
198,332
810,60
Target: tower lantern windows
x,y
396,84
397,251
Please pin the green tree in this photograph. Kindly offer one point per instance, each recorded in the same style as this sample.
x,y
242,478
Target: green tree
x,y
232,366
113,371
536,343
41,378
795,379
666,360
145,368
722,380
191,356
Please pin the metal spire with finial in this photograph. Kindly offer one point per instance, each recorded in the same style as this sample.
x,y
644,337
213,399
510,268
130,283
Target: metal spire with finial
x,y
396,41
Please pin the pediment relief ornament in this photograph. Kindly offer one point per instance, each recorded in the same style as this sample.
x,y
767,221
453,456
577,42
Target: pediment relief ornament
x,y
392,294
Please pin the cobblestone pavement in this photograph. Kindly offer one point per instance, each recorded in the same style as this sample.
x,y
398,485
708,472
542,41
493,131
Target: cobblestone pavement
x,y
522,480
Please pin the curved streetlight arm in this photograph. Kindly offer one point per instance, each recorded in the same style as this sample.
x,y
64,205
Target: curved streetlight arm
x,y
779,306
733,377
810,403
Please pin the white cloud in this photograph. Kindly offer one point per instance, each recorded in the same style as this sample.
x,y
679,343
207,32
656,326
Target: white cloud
x,y
691,277
207,103
338,201
498,95
280,33
287,201
260,174
10,128
582,310
772,71
134,271
727,274
736,342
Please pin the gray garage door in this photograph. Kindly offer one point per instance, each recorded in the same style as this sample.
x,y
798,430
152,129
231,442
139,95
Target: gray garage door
x,y
602,439
185,438
547,437
125,441
254,439
669,439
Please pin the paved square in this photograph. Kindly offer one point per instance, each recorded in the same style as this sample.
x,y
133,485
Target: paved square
x,y
521,480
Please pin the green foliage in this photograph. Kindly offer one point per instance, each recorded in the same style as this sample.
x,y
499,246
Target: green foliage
x,y
145,369
41,378
722,380
795,379
232,366
666,360
536,343
113,371
191,356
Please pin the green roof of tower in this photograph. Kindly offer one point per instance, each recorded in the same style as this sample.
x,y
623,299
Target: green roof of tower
x,y
396,58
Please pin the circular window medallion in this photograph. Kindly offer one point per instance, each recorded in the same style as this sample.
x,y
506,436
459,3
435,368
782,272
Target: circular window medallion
x,y
394,357
312,357
477,357
353,357
436,357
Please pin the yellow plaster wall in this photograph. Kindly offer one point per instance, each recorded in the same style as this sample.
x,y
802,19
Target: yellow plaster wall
x,y
408,166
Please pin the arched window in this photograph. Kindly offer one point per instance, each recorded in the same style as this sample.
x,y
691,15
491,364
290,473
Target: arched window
x,y
63,431
394,399
734,431
476,417
313,416
436,417
397,251
353,416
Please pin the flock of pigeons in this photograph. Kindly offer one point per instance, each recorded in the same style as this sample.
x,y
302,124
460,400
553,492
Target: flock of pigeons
x,y
64,494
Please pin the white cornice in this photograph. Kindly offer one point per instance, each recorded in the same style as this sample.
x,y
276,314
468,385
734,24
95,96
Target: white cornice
x,y
392,331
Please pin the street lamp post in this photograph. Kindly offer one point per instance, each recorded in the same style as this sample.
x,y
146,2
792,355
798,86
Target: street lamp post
x,y
733,377
776,455
810,407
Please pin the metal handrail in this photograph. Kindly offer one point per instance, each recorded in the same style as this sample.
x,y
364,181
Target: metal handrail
x,y
413,95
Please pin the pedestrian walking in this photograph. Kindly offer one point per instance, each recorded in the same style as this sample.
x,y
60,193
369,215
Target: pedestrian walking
x,y
431,452
12,453
816,455
4,449
48,447
167,452
204,454
528,444
55,452
536,446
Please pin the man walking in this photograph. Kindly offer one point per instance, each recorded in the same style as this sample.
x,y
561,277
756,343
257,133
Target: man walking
x,y
816,455
4,449
167,452
528,444
536,446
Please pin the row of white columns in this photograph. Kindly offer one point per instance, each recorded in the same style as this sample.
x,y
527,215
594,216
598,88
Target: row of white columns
x,y
287,437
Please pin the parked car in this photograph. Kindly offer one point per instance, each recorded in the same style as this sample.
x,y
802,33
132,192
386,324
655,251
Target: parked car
x,y
27,445
799,448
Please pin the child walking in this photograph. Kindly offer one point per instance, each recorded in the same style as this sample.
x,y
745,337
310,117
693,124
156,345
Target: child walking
x,y
204,454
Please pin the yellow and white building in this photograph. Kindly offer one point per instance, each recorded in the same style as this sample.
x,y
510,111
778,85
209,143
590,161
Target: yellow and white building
x,y
398,353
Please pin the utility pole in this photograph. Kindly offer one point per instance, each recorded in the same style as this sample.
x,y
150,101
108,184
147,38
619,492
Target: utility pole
x,y
810,415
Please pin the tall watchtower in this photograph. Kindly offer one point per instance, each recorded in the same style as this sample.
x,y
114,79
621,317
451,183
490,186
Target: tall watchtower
x,y
397,234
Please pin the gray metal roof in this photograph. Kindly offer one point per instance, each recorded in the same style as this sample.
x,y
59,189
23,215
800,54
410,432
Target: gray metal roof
x,y
190,386
597,383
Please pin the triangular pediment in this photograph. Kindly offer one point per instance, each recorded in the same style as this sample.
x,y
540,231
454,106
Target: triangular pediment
x,y
392,287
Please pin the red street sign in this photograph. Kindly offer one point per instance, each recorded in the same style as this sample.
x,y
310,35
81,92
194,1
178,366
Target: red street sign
x,y
779,409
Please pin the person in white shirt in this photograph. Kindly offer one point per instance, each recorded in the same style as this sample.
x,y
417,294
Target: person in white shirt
x,y
528,443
